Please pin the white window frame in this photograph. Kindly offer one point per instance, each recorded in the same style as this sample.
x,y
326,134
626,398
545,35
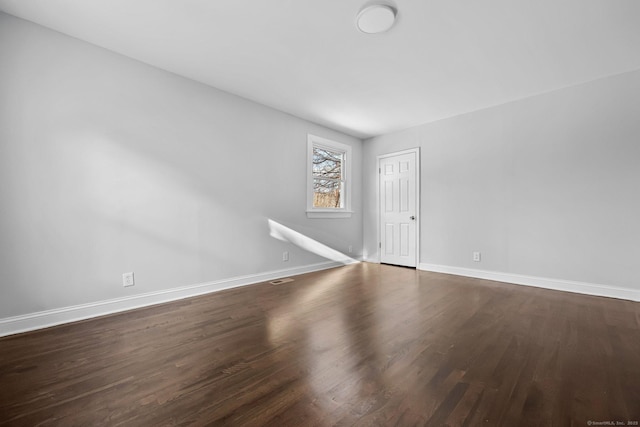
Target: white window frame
x,y
345,211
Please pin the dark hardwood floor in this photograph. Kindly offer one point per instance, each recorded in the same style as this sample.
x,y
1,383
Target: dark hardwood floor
x,y
363,345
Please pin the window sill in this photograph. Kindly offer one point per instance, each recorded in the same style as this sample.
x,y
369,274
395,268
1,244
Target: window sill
x,y
329,214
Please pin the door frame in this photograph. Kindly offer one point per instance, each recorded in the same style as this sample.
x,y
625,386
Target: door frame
x,y
415,151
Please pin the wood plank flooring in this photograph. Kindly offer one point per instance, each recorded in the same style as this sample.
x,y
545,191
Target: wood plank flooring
x,y
365,345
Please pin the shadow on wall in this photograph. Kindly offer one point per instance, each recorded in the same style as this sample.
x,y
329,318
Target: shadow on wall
x,y
280,232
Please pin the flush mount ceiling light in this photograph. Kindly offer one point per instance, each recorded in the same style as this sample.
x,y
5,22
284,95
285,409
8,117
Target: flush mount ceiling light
x,y
376,18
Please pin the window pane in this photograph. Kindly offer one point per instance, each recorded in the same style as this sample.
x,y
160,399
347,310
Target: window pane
x,y
327,193
327,163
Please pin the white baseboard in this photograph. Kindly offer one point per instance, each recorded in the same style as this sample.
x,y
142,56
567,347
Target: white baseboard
x,y
45,319
539,282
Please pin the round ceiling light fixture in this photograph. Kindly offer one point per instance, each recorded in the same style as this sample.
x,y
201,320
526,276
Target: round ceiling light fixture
x,y
376,18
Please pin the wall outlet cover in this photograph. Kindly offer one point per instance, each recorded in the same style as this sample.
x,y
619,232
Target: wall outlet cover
x,y
127,279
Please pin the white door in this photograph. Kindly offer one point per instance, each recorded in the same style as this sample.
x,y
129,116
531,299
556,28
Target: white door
x,y
398,208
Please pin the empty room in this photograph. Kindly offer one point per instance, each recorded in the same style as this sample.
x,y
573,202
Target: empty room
x,y
319,213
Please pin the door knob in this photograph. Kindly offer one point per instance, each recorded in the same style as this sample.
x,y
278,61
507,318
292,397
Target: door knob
x,y
412,217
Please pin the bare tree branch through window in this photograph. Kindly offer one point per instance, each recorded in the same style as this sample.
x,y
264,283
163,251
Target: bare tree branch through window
x,y
327,178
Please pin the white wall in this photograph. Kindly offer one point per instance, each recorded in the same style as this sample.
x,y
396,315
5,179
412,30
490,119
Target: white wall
x,y
548,186
108,165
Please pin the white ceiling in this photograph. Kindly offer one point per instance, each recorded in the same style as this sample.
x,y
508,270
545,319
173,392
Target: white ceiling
x,y
306,57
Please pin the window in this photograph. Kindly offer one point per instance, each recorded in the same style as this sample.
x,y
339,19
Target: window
x,y
328,185
328,174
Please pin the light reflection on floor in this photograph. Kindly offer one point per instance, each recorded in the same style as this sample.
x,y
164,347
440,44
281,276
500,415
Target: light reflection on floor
x,y
319,327
283,319
316,334
333,351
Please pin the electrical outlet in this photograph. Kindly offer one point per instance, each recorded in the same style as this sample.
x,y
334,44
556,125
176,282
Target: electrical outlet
x,y
476,256
285,256
350,248
127,279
